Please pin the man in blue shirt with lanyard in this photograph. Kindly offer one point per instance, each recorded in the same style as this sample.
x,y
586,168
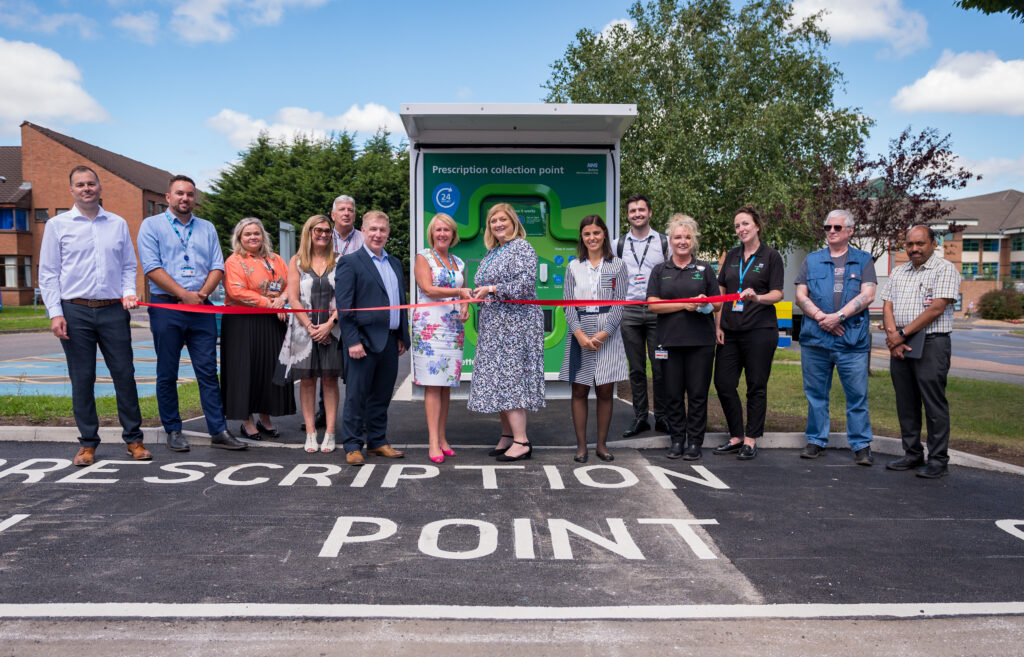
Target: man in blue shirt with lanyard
x,y
181,257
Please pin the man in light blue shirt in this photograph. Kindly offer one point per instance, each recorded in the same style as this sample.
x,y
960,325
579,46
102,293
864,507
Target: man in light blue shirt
x,y
182,259
87,272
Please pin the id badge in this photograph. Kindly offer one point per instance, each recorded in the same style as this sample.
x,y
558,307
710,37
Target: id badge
x,y
274,287
592,309
639,278
928,301
737,306
188,271
661,354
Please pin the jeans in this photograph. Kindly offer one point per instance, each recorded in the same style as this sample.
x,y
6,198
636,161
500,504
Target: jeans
x,y
853,374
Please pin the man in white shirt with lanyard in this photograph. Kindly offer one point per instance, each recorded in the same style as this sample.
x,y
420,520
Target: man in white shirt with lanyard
x,y
640,250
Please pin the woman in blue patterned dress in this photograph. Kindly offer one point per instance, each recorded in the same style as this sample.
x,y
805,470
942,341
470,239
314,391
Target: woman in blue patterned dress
x,y
438,331
508,368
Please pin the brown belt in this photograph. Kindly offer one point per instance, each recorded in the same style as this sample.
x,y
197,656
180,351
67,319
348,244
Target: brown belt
x,y
94,303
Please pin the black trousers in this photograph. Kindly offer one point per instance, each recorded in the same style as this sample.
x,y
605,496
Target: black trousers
x,y
923,381
750,352
639,328
107,328
369,386
688,374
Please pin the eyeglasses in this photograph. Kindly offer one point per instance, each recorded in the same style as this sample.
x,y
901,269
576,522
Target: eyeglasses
x,y
320,232
835,227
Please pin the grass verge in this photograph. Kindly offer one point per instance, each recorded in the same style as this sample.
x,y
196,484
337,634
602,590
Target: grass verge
x,y
20,318
56,411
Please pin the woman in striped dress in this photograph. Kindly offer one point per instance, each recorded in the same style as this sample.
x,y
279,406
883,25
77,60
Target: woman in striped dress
x,y
594,355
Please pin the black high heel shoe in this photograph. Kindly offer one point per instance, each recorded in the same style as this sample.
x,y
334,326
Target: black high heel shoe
x,y
246,434
269,433
524,455
498,451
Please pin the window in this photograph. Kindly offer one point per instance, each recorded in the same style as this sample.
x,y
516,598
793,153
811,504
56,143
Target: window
x,y
41,215
61,211
6,218
161,207
1017,270
20,219
16,271
990,269
1017,243
969,269
970,245
150,208
992,245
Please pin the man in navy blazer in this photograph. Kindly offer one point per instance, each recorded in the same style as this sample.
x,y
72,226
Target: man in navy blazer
x,y
368,278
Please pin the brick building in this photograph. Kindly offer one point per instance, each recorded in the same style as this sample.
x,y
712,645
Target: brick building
x,y
36,188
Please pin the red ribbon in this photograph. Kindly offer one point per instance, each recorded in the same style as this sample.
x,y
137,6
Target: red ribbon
x,y
574,303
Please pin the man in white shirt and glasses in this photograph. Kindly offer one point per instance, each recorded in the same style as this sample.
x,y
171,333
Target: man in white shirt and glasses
x,y
87,271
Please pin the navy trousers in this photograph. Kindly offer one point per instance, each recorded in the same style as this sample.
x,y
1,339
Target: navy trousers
x,y
108,329
369,386
173,330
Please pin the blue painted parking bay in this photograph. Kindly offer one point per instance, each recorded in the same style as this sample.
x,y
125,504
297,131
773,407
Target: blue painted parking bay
x,y
48,374
276,531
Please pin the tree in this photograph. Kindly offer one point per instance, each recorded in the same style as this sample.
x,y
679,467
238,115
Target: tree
x,y
1013,7
293,180
733,108
891,193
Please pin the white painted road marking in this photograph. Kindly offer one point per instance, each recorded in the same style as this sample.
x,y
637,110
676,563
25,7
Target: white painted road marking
x,y
12,521
1010,527
454,612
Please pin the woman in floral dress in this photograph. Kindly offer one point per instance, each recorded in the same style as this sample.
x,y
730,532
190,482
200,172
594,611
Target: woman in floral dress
x,y
437,331
508,368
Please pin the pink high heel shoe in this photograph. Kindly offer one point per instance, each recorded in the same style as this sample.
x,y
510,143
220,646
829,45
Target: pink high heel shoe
x,y
437,459
448,452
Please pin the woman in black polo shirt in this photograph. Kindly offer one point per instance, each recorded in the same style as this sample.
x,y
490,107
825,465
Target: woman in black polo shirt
x,y
686,335
747,332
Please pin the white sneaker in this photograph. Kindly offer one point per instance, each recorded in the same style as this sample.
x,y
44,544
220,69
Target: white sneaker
x,y
310,442
328,444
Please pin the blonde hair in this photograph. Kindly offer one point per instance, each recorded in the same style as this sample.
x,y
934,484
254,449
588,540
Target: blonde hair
x,y
447,221
685,221
236,238
376,214
306,242
490,241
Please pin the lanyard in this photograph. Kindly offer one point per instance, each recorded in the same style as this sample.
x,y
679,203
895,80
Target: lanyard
x,y
640,262
744,270
187,239
594,278
449,269
346,240
490,256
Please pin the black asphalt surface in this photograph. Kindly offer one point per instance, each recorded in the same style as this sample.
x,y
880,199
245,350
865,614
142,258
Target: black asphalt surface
x,y
777,530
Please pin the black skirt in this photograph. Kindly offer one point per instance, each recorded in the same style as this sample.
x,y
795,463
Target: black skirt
x,y
249,346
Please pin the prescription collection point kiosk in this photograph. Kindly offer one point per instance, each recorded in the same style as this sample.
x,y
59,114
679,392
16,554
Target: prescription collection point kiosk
x,y
554,164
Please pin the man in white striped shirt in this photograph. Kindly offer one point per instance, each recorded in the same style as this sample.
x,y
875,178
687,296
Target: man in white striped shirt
x,y
87,270
919,299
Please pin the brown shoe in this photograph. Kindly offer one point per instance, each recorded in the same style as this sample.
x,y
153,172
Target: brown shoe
x,y
355,457
85,456
386,451
138,452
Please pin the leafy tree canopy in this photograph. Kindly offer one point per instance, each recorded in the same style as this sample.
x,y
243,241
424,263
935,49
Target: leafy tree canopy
x,y
1013,7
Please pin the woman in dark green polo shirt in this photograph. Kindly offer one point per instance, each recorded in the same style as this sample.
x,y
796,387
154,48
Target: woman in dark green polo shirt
x,y
686,335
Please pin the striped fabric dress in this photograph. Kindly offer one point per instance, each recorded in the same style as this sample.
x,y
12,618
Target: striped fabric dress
x,y
607,282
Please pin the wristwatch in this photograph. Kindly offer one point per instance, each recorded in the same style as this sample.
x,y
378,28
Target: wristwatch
x,y
842,317
902,334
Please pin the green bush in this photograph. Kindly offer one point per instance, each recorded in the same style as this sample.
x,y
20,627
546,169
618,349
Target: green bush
x,y
1001,304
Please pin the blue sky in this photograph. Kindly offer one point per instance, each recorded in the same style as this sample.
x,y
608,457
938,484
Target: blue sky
x,y
185,85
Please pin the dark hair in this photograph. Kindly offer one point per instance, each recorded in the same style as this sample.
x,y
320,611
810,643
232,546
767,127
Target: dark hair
x,y
639,197
180,178
81,168
581,248
753,212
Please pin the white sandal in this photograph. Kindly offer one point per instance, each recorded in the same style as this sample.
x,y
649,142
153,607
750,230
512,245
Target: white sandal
x,y
328,444
311,442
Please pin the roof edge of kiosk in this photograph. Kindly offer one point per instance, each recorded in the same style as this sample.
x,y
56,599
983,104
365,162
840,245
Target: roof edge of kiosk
x,y
516,123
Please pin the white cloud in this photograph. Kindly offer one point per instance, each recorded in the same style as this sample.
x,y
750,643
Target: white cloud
x,y
969,82
997,173
240,129
628,23
868,20
198,21
144,27
24,15
269,12
40,85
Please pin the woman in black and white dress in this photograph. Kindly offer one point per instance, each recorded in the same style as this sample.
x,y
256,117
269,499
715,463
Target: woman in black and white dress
x,y
594,354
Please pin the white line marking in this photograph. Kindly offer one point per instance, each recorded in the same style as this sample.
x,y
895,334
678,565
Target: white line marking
x,y
454,612
12,521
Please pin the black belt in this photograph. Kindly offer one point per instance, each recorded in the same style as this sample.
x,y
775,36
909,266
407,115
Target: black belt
x,y
165,298
932,335
94,303
601,311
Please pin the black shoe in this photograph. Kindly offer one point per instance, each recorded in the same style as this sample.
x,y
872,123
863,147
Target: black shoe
x,y
692,452
498,451
246,434
728,448
607,457
524,455
224,440
675,450
581,458
639,425
747,453
661,425
812,451
933,470
269,433
176,442
906,463
863,457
